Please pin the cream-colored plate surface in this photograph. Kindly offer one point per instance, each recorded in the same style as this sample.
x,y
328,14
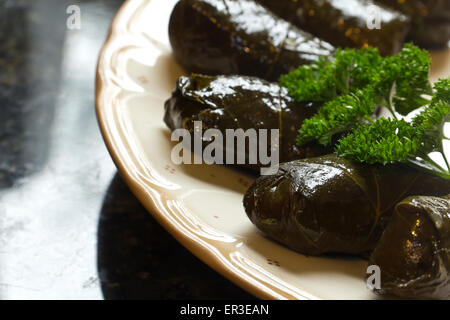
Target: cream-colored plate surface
x,y
200,205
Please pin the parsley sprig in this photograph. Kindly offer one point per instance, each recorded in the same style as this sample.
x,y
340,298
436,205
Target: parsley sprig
x,y
346,83
339,115
391,140
353,84
344,73
404,80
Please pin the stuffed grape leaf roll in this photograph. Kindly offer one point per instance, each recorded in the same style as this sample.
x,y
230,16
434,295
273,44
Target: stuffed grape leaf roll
x,y
331,204
349,23
430,20
239,37
238,102
413,253
431,33
419,9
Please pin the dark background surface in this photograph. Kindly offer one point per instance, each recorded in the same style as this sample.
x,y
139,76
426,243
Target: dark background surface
x,y
69,227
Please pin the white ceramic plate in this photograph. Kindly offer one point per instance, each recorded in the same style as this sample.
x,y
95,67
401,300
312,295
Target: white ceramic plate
x,y
200,205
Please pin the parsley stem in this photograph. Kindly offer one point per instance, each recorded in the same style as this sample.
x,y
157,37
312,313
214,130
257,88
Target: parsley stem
x,y
390,108
393,113
429,170
443,174
446,161
433,163
441,150
369,119
389,102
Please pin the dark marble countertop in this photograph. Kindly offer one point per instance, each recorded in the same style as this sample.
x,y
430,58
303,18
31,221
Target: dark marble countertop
x,y
69,227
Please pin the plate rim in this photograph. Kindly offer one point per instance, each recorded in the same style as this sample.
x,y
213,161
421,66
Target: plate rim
x,y
105,89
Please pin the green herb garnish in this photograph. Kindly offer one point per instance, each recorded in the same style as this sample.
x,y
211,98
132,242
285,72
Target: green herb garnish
x,y
384,141
403,80
344,73
339,115
354,83
390,140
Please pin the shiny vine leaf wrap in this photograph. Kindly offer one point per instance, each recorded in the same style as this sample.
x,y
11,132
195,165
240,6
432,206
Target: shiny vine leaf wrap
x,y
239,102
412,252
330,204
240,37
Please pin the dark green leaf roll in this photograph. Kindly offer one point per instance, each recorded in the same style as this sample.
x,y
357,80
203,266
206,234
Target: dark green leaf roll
x,y
419,9
430,21
431,33
233,102
413,253
333,205
348,23
239,37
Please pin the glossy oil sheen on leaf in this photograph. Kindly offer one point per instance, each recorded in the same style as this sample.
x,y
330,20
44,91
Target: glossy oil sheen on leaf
x,y
413,252
333,205
233,102
430,21
345,23
239,37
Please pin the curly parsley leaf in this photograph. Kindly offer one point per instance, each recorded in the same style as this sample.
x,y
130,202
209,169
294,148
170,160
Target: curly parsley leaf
x,y
385,141
404,81
390,140
338,115
399,83
344,73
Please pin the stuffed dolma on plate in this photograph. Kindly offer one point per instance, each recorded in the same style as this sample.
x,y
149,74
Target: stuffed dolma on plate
x,y
432,33
419,9
430,20
349,23
333,205
413,253
239,37
238,102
